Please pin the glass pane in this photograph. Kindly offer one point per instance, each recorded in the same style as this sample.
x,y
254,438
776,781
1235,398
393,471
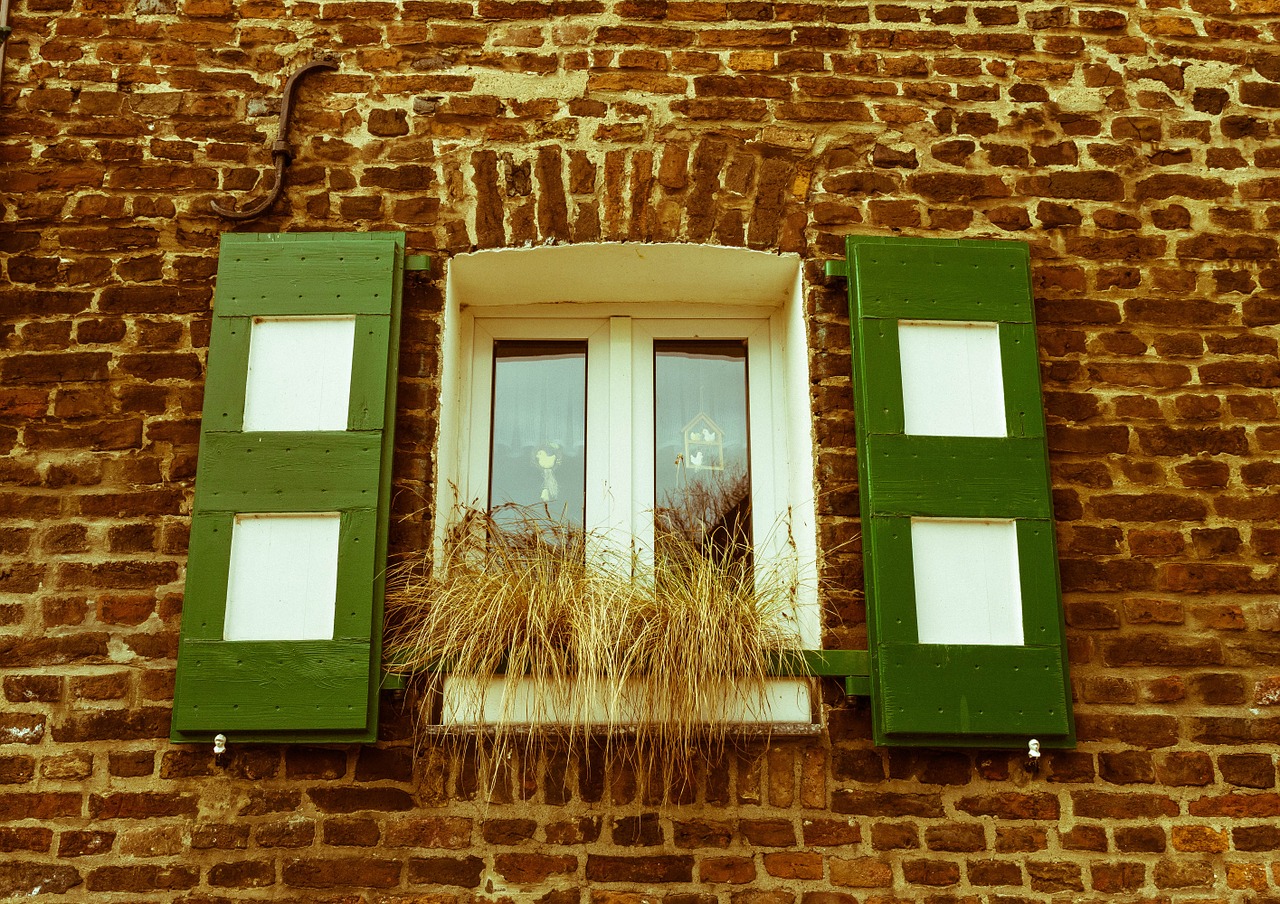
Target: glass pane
x,y
537,466
702,478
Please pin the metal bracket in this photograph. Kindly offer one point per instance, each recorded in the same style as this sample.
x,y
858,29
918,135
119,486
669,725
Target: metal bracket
x,y
838,269
281,153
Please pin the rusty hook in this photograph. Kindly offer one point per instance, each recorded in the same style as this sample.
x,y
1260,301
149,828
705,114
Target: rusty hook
x,y
280,151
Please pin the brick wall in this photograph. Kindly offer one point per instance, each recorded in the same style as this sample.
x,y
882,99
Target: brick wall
x,y
1135,145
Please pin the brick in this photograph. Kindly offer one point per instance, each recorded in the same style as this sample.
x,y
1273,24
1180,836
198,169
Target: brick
x,y
21,877
863,872
141,805
830,833
242,874
793,865
767,832
361,872
1140,839
1183,874
937,873
670,868
1116,878
533,869
991,873
1199,838
42,806
727,870
351,800
1011,806
1256,838
141,879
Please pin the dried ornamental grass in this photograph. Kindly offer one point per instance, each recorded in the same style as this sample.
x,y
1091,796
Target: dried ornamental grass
x,y
579,646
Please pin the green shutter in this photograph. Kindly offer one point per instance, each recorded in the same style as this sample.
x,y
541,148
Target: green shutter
x,y
293,690
941,693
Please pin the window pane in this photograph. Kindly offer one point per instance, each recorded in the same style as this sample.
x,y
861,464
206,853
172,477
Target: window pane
x,y
701,474
537,466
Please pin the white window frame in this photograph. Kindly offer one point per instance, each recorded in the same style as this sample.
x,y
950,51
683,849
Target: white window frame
x,y
619,298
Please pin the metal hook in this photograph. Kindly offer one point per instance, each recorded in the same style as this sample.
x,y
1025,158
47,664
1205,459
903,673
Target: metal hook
x,y
1033,756
280,151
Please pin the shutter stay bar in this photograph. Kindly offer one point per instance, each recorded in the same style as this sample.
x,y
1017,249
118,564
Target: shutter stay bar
x,y
854,666
281,153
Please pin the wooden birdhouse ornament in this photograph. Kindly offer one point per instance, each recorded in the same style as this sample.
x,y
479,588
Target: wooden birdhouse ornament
x,y
703,444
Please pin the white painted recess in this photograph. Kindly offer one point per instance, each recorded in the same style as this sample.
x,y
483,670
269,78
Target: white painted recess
x,y
299,373
283,582
951,380
595,702
966,580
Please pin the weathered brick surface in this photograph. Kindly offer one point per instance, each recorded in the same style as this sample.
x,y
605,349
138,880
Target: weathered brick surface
x,y
1133,145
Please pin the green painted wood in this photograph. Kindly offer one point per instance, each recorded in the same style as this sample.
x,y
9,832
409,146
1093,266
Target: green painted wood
x,y
891,568
382,526
366,408
957,476
273,685
312,691
306,276
987,690
204,603
880,350
822,663
1042,618
324,471
1020,370
935,694
225,376
944,282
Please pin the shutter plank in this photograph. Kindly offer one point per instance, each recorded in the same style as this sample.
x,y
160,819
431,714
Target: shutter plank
x,y
306,277
997,690
274,685
960,477
288,472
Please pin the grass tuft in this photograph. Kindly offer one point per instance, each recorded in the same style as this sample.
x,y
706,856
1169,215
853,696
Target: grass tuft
x,y
657,654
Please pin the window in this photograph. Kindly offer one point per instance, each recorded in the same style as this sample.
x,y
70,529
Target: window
x,y
632,388
281,628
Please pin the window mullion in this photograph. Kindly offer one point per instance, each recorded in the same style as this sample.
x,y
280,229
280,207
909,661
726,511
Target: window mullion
x,y
618,437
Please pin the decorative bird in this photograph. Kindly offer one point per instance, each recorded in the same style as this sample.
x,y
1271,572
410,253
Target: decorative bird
x,y
547,462
708,436
695,459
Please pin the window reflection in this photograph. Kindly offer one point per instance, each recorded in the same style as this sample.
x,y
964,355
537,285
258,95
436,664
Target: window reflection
x,y
701,473
537,466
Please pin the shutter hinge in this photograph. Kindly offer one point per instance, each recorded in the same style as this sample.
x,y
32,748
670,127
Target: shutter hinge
x,y
838,269
416,262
